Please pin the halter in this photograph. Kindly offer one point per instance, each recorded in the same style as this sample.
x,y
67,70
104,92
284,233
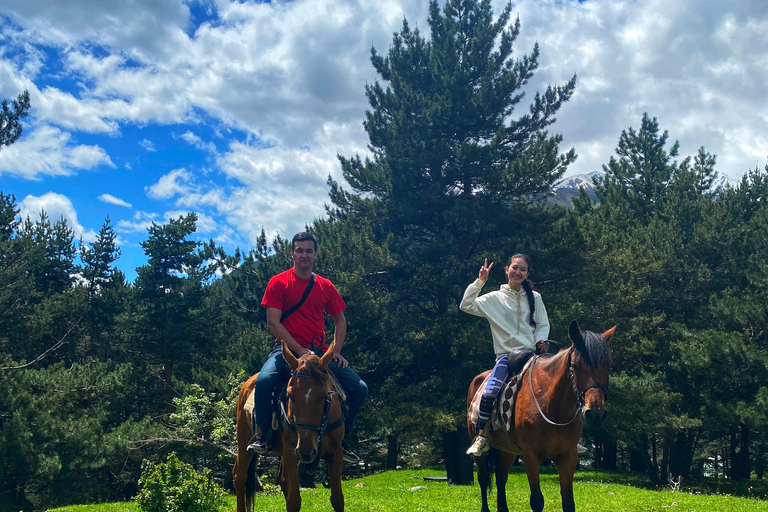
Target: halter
x,y
579,394
323,427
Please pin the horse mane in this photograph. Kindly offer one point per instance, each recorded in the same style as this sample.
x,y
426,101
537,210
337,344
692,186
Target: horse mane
x,y
595,351
311,365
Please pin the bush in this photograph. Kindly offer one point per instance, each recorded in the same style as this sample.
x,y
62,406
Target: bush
x,y
175,486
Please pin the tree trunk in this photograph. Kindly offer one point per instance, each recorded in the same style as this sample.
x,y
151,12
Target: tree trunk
x,y
641,461
458,464
610,456
392,451
664,471
681,454
740,463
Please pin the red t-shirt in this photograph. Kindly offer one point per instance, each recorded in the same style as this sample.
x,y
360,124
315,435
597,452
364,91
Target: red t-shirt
x,y
285,290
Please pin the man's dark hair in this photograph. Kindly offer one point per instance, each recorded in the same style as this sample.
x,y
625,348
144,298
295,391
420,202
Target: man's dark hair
x,y
303,237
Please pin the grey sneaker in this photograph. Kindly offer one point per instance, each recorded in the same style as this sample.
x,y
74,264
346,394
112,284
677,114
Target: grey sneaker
x,y
479,446
581,449
349,455
258,446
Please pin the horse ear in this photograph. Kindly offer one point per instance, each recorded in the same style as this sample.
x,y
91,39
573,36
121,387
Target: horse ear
x,y
289,357
607,335
574,332
327,357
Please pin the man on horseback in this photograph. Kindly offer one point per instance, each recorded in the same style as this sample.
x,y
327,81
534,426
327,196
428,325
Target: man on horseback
x,y
518,321
296,301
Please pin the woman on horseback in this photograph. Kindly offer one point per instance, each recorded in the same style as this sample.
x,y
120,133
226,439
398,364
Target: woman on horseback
x,y
518,320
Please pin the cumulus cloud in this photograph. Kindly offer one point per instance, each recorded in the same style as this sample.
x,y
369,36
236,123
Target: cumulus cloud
x,y
282,85
140,222
56,207
697,66
47,151
175,182
110,199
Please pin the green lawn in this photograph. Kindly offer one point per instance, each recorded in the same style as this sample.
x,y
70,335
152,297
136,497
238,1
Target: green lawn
x,y
406,490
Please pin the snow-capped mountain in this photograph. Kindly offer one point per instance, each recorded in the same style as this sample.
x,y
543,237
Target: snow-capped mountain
x,y
564,190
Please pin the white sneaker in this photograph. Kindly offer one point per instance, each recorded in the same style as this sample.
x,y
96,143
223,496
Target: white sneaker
x,y
581,449
479,446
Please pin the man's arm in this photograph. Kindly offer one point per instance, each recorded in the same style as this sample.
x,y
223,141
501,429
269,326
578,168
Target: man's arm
x,y
281,333
339,333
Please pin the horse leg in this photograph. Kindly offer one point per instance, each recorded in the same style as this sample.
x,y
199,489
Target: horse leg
x,y
532,463
502,475
240,478
566,468
334,479
484,480
289,482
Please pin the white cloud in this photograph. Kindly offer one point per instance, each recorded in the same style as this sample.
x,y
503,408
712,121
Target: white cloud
x,y
147,144
175,182
197,142
141,222
282,84
47,151
110,199
56,207
205,224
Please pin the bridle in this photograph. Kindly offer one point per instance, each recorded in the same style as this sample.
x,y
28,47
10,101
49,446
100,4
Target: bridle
x,y
323,427
579,393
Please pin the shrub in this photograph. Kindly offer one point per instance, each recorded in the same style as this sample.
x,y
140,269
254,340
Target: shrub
x,y
174,486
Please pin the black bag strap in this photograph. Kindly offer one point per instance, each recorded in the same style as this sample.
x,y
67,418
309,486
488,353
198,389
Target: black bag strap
x,y
292,310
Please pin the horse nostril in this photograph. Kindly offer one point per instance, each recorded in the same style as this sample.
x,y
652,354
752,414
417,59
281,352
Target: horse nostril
x,y
596,414
306,457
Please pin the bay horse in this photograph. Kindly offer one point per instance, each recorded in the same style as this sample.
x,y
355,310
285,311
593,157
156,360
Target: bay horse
x,y
555,394
313,426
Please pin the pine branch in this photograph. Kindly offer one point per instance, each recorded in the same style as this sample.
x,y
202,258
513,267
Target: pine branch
x,y
42,356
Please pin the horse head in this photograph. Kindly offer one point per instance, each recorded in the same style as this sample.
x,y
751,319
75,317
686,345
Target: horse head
x,y
307,397
590,363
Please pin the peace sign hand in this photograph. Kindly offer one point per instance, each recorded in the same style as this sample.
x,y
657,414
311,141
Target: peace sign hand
x,y
484,271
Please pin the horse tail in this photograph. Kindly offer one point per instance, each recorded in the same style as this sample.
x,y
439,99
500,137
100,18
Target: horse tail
x,y
491,461
252,485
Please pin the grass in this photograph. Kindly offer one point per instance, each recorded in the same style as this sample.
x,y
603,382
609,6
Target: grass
x,y
406,490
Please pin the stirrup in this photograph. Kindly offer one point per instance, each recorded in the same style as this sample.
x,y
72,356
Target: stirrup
x,y
258,446
349,456
479,446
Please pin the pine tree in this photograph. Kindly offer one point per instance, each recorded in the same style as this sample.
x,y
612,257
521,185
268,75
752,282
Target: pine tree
x,y
99,257
451,168
10,120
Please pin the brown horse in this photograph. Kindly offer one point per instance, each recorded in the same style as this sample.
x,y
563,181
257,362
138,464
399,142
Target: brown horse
x,y
554,396
313,420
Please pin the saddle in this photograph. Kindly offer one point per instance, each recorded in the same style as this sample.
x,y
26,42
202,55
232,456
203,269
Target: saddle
x,y
278,396
503,415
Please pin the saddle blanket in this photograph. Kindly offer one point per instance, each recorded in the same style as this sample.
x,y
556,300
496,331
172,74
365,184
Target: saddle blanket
x,y
503,415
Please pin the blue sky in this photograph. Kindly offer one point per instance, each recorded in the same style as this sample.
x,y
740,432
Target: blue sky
x,y
145,110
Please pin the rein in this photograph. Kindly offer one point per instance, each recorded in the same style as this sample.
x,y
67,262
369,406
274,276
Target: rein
x,y
323,427
579,394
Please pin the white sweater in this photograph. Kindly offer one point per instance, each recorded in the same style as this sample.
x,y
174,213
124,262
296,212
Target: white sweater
x,y
509,315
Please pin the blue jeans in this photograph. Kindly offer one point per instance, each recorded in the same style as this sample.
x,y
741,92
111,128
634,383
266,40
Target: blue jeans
x,y
275,374
499,374
495,381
